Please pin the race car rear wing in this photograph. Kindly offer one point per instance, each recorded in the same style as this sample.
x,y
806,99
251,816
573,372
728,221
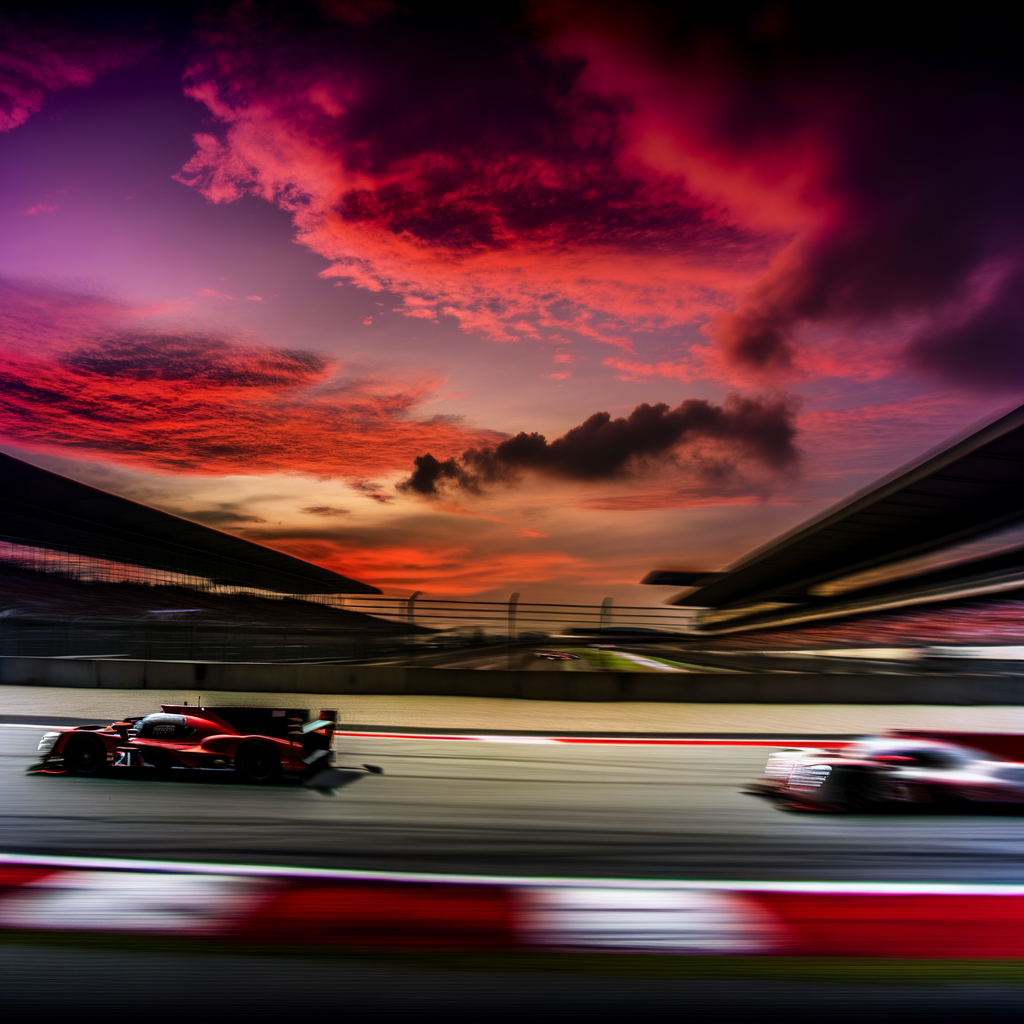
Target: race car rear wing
x,y
317,736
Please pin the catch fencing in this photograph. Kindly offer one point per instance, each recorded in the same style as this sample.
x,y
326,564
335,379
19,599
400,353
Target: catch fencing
x,y
424,626
514,618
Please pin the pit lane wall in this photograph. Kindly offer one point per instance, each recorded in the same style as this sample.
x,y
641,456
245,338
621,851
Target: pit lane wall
x,y
254,907
719,688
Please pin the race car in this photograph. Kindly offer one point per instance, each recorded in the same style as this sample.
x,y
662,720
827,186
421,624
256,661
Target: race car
x,y
257,745
898,771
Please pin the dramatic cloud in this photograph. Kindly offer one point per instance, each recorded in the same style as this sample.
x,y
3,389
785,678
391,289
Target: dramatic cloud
x,y
984,347
326,511
220,517
891,155
37,60
372,490
80,374
775,175
452,159
602,448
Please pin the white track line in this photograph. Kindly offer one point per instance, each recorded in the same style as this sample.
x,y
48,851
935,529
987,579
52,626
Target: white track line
x,y
178,867
645,741
22,725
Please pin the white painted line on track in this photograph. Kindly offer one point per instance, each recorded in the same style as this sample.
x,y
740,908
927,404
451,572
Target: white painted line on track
x,y
648,663
635,741
647,741
743,885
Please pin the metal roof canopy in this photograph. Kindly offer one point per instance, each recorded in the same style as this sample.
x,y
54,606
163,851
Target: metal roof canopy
x,y
45,510
963,488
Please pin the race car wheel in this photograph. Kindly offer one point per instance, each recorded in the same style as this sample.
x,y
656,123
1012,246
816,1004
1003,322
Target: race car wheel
x,y
85,755
860,791
257,762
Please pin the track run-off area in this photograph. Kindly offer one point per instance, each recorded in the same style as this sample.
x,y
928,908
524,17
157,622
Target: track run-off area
x,y
502,805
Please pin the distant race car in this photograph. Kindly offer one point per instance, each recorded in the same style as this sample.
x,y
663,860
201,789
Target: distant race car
x,y
556,656
896,772
258,745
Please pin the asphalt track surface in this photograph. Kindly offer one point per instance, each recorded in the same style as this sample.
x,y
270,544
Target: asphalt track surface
x,y
509,808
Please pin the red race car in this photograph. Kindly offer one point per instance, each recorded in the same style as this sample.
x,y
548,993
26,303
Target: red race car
x,y
899,771
258,745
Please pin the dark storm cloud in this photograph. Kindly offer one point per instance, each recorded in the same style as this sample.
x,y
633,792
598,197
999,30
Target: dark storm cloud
x,y
43,51
986,348
220,517
902,126
474,131
156,356
450,155
602,448
325,511
926,197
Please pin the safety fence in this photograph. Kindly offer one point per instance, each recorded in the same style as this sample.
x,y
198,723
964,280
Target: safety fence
x,y
415,626
514,618
307,908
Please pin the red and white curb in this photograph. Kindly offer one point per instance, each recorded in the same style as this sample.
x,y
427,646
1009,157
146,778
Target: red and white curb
x,y
347,909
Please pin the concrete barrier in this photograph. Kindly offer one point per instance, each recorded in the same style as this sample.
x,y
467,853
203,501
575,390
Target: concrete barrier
x,y
562,686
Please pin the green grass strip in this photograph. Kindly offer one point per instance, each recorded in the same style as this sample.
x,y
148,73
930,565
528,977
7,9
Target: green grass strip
x,y
846,970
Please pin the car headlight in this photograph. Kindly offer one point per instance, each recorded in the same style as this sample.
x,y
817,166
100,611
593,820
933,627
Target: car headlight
x,y
47,742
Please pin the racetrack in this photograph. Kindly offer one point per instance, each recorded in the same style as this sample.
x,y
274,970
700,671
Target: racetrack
x,y
500,808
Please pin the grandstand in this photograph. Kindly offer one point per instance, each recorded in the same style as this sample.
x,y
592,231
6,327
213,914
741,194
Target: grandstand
x,y
56,525
86,573
945,532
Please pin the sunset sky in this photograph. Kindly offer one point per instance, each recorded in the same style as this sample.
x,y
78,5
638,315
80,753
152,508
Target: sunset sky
x,y
519,297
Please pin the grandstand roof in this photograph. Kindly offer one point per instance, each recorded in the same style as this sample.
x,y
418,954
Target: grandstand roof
x,y
46,510
966,487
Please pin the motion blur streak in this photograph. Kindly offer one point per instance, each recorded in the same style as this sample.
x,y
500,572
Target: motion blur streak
x,y
670,920
734,919
593,811
129,902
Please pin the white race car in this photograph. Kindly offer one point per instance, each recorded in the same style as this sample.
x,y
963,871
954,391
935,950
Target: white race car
x,y
896,772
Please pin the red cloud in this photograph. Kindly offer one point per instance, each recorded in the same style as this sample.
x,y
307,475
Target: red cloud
x,y
632,167
889,156
437,568
464,170
80,374
37,61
